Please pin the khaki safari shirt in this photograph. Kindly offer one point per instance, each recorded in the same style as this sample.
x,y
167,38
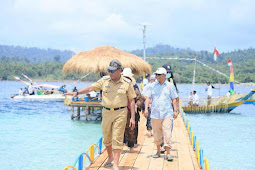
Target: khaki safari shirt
x,y
115,95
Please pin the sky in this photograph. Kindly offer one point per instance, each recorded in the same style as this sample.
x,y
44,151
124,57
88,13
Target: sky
x,y
81,25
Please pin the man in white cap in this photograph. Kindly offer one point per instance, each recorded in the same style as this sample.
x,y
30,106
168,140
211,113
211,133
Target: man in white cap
x,y
162,94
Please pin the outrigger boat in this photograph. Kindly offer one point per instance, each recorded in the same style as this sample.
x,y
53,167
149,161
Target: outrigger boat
x,y
222,105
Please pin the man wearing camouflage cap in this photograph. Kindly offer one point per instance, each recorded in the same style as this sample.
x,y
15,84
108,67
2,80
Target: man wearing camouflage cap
x,y
117,91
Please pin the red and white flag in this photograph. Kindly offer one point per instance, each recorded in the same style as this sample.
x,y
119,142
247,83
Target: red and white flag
x,y
216,53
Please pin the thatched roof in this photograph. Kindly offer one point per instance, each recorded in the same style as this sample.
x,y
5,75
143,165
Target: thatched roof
x,y
98,59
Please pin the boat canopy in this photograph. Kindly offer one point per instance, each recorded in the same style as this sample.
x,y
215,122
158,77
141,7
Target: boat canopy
x,y
46,85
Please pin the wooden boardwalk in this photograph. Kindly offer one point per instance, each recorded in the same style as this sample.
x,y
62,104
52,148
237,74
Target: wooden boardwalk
x,y
141,157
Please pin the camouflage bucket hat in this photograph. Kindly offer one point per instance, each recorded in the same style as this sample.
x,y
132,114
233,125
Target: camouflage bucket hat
x,y
114,65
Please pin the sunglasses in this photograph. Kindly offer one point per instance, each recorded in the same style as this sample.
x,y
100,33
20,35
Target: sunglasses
x,y
158,74
111,71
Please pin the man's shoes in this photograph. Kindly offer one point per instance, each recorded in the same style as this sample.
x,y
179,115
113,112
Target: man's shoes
x,y
108,164
169,158
156,156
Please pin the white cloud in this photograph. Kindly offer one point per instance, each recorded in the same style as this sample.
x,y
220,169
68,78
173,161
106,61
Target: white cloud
x,y
80,24
115,20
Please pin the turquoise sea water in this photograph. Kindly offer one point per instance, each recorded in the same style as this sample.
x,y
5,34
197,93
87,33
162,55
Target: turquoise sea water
x,y
41,135
226,138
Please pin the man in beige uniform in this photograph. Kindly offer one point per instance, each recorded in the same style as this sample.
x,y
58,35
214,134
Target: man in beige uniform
x,y
117,91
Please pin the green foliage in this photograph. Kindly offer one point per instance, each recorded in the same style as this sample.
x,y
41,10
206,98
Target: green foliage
x,y
243,64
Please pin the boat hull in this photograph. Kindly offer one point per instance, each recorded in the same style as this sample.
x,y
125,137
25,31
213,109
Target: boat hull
x,y
221,108
250,102
40,97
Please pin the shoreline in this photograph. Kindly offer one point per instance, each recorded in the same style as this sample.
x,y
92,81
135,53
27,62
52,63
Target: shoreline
x,y
72,81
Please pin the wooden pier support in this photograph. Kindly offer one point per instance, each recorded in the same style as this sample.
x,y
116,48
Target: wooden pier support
x,y
87,107
78,113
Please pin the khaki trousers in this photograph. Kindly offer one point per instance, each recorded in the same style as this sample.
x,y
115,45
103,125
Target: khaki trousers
x,y
113,126
162,130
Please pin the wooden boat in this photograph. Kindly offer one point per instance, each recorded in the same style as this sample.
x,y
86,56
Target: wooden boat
x,y
220,108
222,105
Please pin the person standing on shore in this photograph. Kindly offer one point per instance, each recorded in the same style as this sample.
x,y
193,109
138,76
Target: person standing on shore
x,y
117,91
164,109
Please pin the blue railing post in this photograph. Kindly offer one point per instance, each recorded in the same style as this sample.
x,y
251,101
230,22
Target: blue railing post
x,y
194,143
80,163
100,144
201,158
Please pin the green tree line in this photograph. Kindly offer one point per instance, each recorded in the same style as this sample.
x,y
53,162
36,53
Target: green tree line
x,y
243,64
50,71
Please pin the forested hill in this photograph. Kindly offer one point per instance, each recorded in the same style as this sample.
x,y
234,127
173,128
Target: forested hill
x,y
47,64
35,55
205,56
243,63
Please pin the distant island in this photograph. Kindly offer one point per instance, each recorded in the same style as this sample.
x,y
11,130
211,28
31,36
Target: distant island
x,y
46,64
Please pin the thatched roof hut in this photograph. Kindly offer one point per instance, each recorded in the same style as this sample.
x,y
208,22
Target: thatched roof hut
x,y
98,59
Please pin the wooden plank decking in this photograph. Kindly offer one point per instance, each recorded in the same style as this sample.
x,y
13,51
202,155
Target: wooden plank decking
x,y
141,157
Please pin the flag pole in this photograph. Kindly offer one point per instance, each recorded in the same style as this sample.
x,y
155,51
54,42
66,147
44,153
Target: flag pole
x,y
194,73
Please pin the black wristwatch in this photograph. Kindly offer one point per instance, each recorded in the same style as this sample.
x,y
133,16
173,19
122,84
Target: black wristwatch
x,y
177,110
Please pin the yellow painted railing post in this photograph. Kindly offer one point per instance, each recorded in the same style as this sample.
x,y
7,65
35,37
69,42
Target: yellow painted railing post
x,y
206,164
198,152
92,153
69,166
185,121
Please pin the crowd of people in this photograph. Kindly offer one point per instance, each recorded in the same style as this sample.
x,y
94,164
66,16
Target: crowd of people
x,y
28,90
123,102
35,90
193,99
